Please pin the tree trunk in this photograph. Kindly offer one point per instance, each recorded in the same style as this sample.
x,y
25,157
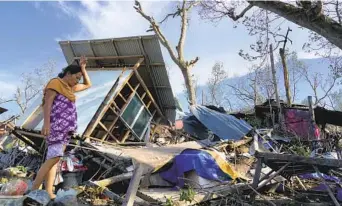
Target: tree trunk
x,y
312,19
189,85
286,77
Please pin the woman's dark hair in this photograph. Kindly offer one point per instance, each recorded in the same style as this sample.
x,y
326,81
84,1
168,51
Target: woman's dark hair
x,y
72,69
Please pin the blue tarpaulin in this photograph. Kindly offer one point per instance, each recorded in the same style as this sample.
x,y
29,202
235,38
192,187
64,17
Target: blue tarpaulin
x,y
202,162
225,126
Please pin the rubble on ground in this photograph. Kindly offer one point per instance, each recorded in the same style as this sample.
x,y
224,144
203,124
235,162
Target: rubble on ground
x,y
195,164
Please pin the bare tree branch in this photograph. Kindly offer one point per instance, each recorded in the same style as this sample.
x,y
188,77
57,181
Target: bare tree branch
x,y
3,100
156,29
183,65
236,17
184,25
312,19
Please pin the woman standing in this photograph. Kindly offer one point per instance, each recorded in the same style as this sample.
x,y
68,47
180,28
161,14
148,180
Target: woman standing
x,y
60,119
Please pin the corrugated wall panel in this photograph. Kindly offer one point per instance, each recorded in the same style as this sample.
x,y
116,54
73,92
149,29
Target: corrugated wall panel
x,y
153,50
84,48
129,48
160,76
80,49
166,97
68,53
104,48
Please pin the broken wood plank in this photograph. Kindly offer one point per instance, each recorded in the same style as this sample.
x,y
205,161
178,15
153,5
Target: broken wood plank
x,y
237,143
273,176
133,185
268,156
107,192
115,179
158,196
257,173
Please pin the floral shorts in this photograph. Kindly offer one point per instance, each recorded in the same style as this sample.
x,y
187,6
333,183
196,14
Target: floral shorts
x,y
55,150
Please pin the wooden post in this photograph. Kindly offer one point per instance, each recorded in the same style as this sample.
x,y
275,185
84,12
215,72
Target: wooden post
x,y
312,118
257,173
133,186
274,77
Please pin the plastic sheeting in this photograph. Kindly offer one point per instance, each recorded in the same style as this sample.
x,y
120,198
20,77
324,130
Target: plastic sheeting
x,y
323,187
206,165
298,123
225,126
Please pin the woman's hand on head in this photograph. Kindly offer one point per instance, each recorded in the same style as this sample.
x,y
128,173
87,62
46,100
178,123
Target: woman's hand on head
x,y
83,62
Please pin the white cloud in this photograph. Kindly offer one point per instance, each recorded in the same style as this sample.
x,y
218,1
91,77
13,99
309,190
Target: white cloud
x,y
110,19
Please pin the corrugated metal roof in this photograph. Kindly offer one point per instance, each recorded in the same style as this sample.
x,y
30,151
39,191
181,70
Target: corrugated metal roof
x,y
153,72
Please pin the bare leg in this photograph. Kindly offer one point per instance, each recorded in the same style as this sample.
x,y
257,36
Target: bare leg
x,y
44,171
50,179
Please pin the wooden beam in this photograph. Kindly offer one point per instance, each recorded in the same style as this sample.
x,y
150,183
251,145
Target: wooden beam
x,y
272,176
102,109
299,159
125,136
108,132
122,97
107,68
114,179
257,173
118,144
111,57
130,86
148,92
133,185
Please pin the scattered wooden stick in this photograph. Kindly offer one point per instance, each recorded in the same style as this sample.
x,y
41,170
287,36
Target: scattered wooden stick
x,y
261,195
328,188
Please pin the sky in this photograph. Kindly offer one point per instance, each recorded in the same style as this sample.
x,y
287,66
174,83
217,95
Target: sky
x,y
31,31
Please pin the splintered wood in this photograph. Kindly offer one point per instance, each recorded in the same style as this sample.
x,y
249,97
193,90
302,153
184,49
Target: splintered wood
x,y
150,157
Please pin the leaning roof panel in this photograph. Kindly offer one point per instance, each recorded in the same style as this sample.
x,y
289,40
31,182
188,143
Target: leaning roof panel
x,y
152,71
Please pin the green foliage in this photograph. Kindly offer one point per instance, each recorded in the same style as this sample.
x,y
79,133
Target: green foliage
x,y
169,202
187,195
254,121
300,149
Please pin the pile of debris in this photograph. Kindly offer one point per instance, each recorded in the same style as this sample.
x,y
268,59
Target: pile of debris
x,y
212,158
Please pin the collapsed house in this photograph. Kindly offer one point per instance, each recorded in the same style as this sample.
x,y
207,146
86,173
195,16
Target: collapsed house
x,y
131,104
130,89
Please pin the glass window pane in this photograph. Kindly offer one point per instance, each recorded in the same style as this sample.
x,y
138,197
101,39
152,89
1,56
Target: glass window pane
x,y
132,110
141,122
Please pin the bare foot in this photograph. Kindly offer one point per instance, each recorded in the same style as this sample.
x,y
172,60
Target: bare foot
x,y
52,196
